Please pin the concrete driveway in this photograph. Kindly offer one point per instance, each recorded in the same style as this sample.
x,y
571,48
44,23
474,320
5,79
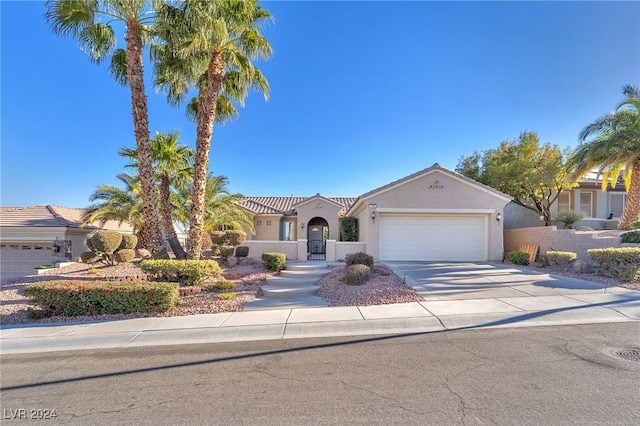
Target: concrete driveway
x,y
483,280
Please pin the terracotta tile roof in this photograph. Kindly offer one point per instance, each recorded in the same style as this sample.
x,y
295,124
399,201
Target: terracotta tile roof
x,y
50,216
285,205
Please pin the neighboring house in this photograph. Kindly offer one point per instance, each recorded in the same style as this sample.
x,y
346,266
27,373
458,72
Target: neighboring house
x,y
434,214
600,209
42,235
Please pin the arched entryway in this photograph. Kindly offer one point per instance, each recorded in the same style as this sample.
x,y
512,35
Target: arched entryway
x,y
317,234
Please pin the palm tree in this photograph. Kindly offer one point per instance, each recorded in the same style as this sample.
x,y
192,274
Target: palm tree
x,y
210,45
173,164
222,209
91,23
614,148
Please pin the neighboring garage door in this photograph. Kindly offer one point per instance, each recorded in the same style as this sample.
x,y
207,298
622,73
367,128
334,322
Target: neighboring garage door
x,y
432,237
18,259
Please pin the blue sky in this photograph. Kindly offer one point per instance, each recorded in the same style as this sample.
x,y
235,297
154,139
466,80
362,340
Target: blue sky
x,y
362,93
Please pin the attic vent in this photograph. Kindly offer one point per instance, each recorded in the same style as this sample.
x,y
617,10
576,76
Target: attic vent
x,y
436,185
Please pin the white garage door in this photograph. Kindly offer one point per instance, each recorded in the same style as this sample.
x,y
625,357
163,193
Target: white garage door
x,y
452,237
19,259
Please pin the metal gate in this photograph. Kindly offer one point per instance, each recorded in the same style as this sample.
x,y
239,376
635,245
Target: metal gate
x,y
316,250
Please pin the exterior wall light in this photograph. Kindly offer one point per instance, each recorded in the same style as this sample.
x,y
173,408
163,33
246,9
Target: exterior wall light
x,y
302,226
373,216
498,217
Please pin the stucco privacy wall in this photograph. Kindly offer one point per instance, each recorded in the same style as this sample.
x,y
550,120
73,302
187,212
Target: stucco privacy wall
x,y
434,192
296,250
550,237
319,206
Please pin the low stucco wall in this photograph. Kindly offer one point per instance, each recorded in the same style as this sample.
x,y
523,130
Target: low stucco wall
x,y
550,237
256,248
296,250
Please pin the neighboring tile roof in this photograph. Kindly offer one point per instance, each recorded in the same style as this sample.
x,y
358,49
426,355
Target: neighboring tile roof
x,y
49,216
285,205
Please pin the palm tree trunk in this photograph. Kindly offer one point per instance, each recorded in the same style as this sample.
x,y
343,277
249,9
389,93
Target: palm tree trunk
x,y
167,221
206,115
140,111
631,211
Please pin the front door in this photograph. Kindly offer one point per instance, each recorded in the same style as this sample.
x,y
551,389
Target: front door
x,y
317,235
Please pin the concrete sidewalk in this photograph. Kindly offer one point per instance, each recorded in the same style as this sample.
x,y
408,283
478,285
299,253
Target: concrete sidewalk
x,y
613,305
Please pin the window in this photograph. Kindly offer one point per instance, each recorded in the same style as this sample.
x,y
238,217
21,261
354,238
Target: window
x,y
287,230
258,223
268,223
618,202
564,201
586,204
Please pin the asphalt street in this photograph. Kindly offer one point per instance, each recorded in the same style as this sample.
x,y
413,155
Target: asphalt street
x,y
569,374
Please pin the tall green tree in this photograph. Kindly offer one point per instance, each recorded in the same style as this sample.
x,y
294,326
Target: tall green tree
x,y
611,144
533,174
173,166
222,208
210,46
92,23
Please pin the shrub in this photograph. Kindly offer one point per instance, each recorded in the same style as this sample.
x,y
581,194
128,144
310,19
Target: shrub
x,y
220,285
187,272
554,257
106,242
349,229
274,261
88,242
89,257
242,251
356,274
230,237
124,255
128,242
518,257
72,298
636,224
632,237
226,251
94,271
619,262
568,218
40,267
359,258
226,296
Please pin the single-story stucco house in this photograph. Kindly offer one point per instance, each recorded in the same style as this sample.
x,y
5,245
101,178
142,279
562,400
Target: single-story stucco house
x,y
432,215
43,235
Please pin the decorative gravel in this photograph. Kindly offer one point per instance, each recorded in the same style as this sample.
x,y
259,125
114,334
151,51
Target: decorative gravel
x,y
383,288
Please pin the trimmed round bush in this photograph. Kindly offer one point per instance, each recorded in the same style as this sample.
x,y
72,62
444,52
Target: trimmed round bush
x,y
242,251
89,257
356,274
88,242
518,257
359,258
555,257
274,261
124,255
230,237
129,241
106,241
226,251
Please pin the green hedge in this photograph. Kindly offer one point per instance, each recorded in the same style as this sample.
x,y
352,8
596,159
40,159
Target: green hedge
x,y
518,257
623,263
632,237
349,229
555,257
73,298
187,272
274,261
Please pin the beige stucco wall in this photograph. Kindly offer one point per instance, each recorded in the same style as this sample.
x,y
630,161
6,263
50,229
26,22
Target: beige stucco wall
x,y
264,231
319,207
256,248
550,237
434,192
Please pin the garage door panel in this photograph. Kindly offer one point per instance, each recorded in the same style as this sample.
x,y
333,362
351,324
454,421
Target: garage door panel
x,y
20,259
433,237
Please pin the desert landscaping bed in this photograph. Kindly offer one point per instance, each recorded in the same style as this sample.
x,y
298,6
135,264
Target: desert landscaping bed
x,y
384,287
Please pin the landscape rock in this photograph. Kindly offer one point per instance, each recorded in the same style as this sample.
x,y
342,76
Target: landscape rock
x,y
143,254
232,261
